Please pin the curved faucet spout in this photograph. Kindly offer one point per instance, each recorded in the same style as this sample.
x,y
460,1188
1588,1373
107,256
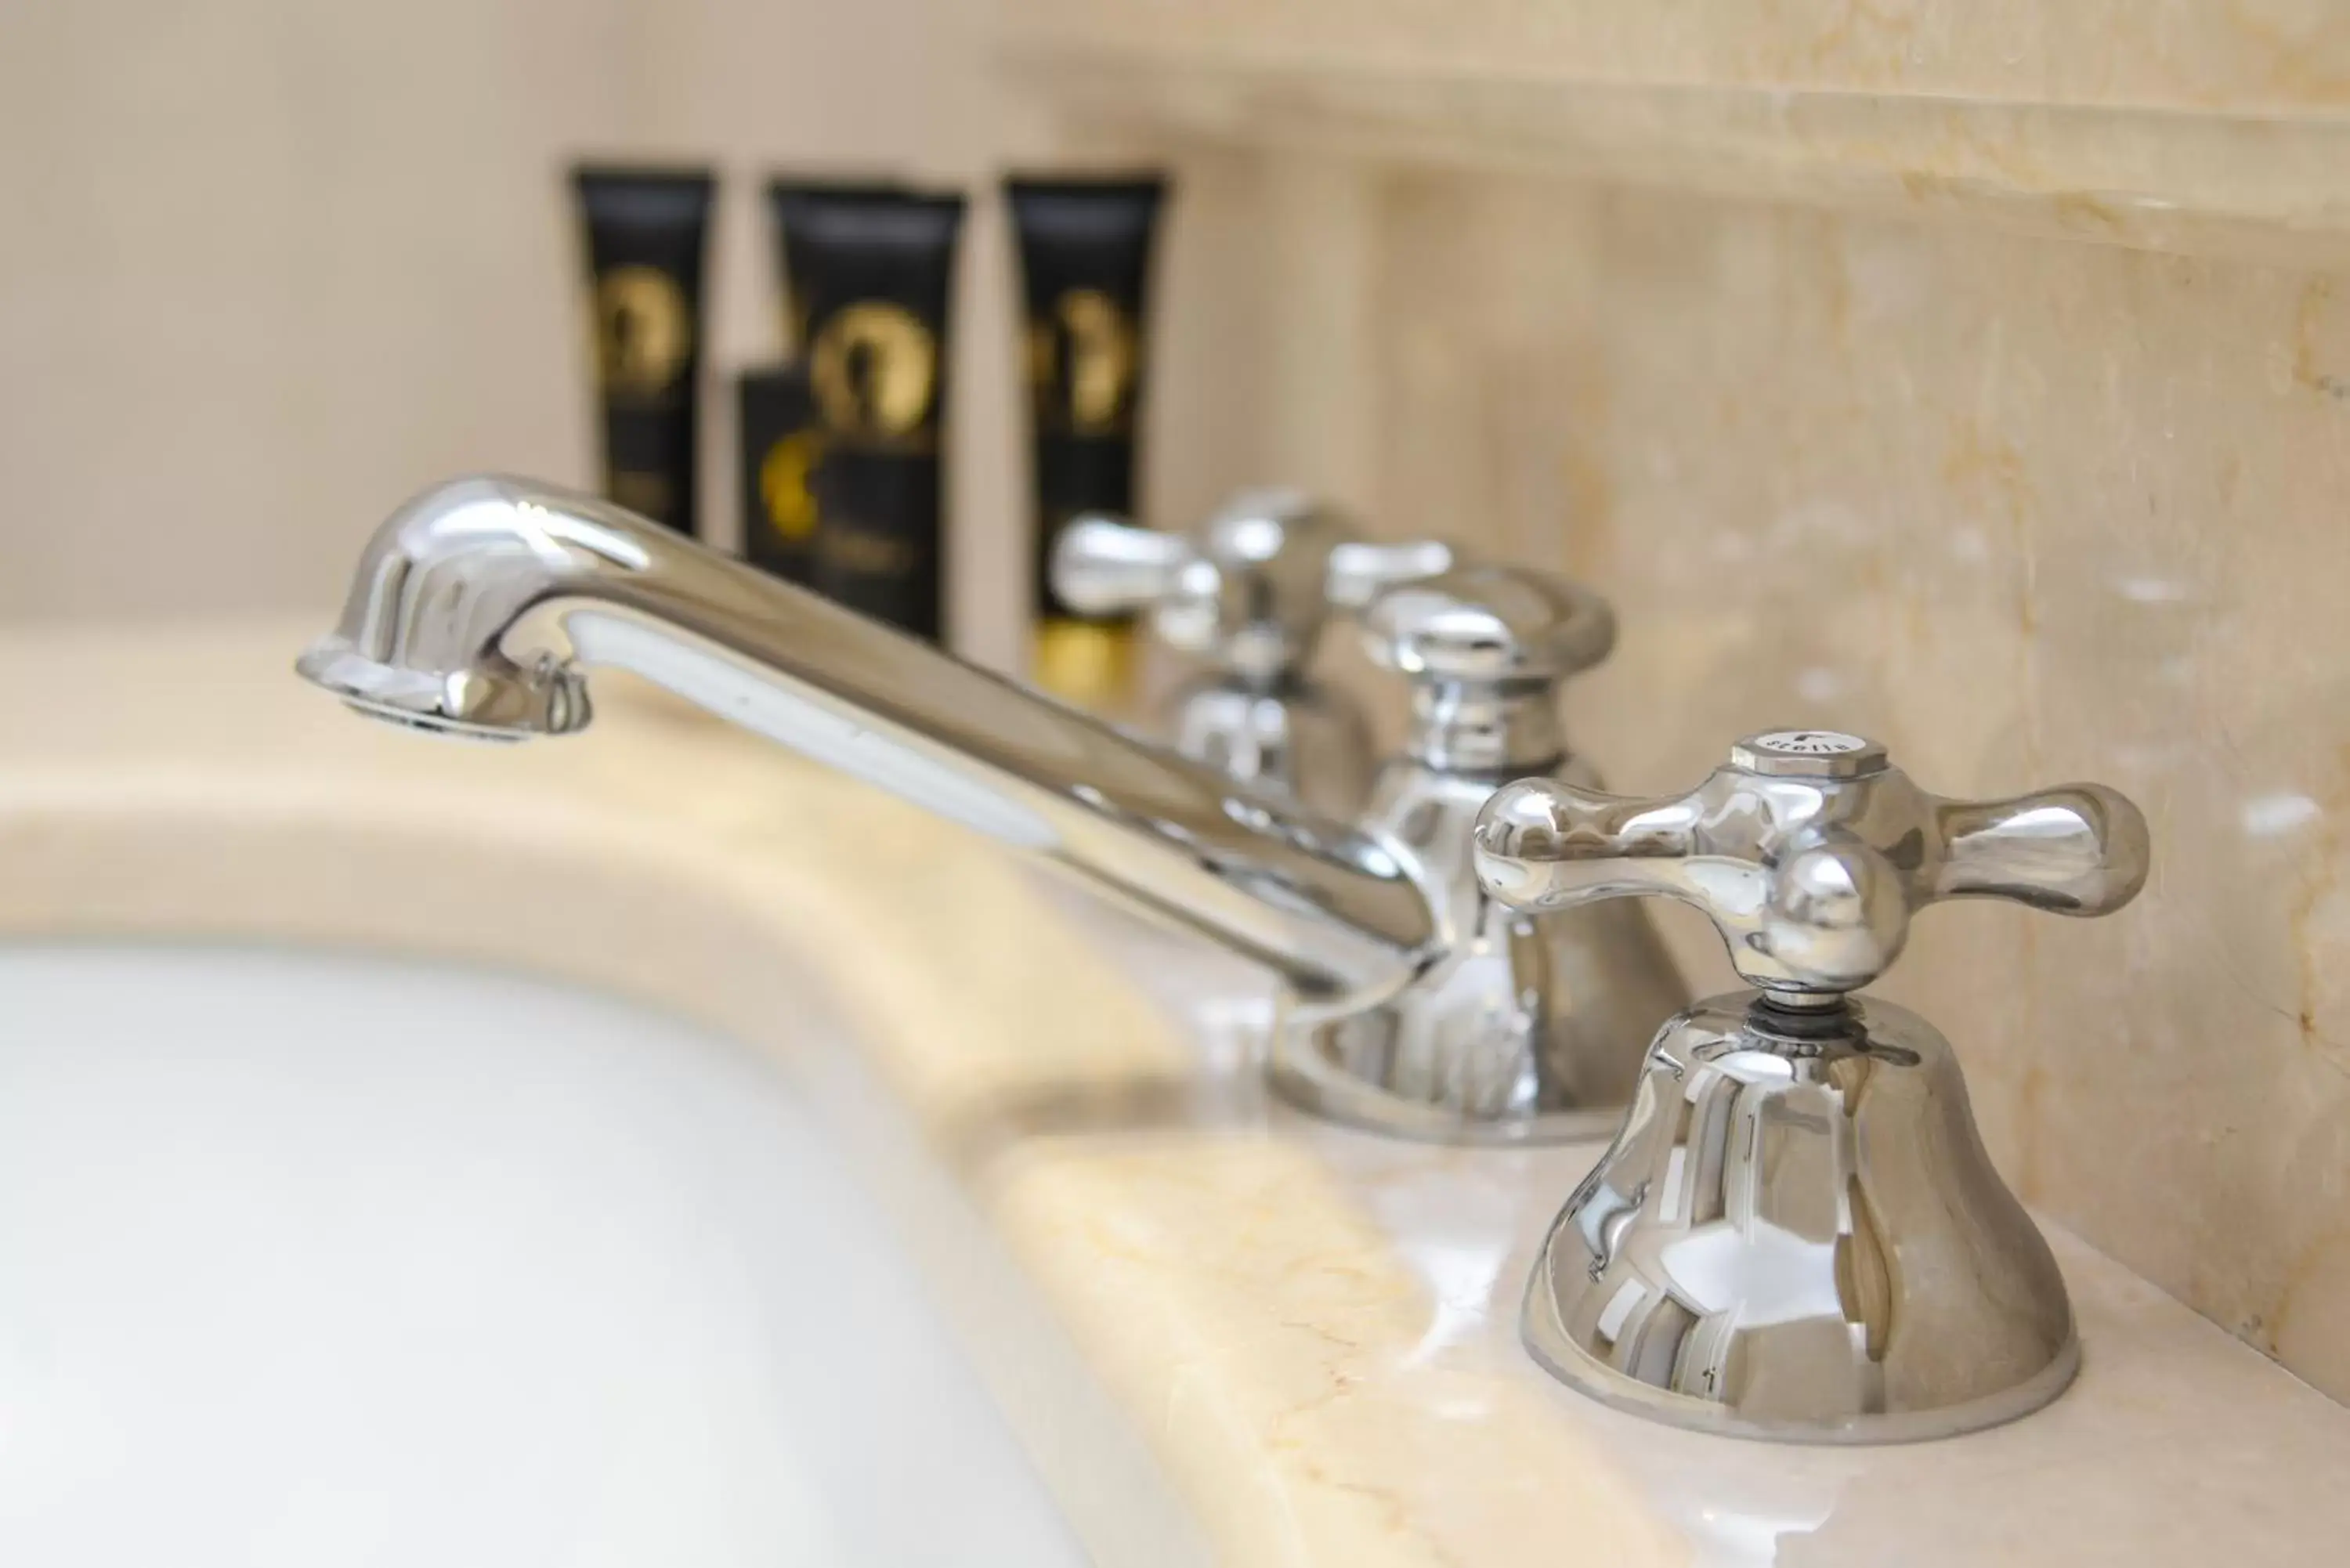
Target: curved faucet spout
x,y
479,606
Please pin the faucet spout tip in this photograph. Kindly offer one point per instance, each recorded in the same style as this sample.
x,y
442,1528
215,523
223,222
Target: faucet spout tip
x,y
480,703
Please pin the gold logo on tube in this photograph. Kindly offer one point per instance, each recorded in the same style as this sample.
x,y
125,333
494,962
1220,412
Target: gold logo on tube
x,y
784,485
644,330
1101,359
875,368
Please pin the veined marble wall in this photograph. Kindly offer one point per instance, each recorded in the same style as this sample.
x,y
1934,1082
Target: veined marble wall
x,y
2027,509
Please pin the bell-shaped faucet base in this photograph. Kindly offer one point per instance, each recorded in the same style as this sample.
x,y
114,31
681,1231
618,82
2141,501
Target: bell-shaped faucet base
x,y
1797,1236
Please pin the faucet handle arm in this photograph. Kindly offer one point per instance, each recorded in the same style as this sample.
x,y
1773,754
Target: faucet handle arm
x,y
1105,565
1541,845
1489,625
1247,589
1359,570
2076,849
1810,853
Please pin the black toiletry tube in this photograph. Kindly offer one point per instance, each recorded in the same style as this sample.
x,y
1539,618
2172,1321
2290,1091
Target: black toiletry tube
x,y
1085,266
795,193
782,445
871,272
646,232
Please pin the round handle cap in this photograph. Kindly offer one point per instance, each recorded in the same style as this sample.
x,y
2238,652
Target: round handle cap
x,y
1808,754
1489,625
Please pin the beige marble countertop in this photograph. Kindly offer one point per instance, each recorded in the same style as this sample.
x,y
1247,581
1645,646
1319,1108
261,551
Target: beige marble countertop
x,y
1306,1334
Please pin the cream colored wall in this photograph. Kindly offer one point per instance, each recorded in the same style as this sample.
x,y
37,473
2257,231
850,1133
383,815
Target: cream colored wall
x,y
268,266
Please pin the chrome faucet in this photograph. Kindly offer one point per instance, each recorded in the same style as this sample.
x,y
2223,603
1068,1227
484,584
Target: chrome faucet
x,y
480,607
1519,1026
1246,594
1796,1233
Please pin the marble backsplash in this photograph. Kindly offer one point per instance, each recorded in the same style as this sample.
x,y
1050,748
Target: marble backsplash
x,y
2025,508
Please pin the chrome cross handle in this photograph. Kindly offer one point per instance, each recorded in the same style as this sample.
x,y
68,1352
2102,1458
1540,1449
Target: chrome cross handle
x,y
1248,590
1810,852
1246,595
1489,625
1529,1029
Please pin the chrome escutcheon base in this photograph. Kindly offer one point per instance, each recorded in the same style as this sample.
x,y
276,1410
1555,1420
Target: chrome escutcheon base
x,y
1797,1236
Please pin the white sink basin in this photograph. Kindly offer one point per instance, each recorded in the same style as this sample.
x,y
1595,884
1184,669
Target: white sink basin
x,y
308,1260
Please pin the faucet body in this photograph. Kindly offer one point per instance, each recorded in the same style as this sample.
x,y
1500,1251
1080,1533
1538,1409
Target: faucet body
x,y
479,607
1298,735
1520,1029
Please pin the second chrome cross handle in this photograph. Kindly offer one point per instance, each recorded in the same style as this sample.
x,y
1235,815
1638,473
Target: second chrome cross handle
x,y
1810,852
1245,595
1249,590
